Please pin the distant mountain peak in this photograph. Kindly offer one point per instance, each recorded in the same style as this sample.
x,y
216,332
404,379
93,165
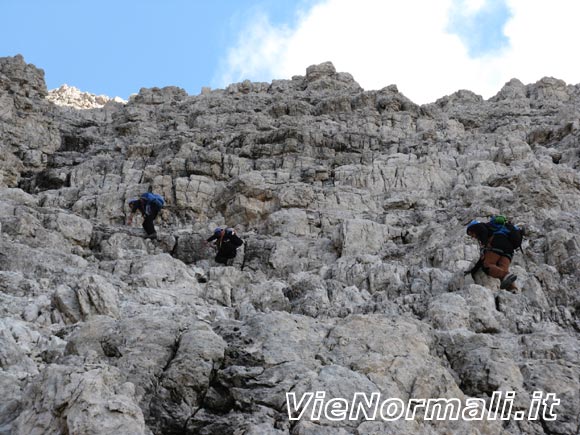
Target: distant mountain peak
x,y
73,97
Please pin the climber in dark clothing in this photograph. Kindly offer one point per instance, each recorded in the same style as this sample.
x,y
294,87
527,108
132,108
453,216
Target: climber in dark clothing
x,y
149,205
496,254
227,243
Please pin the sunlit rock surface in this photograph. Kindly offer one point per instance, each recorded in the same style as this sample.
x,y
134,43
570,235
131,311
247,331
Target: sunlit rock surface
x,y
352,205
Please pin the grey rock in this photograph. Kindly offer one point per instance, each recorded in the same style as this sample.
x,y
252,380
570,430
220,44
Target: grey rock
x,y
65,399
352,205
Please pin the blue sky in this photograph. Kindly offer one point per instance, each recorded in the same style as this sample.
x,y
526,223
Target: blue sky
x,y
428,48
115,47
481,30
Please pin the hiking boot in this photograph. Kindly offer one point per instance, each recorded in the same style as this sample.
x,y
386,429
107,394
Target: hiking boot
x,y
508,281
152,236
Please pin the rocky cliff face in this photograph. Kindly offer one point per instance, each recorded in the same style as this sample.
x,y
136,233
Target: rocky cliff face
x,y
352,205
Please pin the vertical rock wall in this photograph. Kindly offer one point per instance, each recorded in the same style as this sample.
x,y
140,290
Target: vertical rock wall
x,y
352,206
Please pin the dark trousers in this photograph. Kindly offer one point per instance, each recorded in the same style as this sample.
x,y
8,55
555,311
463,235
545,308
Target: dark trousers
x,y
149,218
226,253
223,260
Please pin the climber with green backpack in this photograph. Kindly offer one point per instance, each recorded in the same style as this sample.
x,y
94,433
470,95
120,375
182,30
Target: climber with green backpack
x,y
149,205
499,239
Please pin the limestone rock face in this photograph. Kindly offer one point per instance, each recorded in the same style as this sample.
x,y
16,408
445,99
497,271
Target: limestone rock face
x,y
69,96
352,205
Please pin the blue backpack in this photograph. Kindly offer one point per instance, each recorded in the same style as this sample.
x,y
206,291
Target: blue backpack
x,y
501,225
153,198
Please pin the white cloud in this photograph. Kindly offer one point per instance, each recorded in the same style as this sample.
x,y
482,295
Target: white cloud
x,y
544,38
472,6
258,50
406,43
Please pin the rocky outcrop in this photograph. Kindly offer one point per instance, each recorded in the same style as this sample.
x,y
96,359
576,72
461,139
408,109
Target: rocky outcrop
x,y
352,206
69,96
